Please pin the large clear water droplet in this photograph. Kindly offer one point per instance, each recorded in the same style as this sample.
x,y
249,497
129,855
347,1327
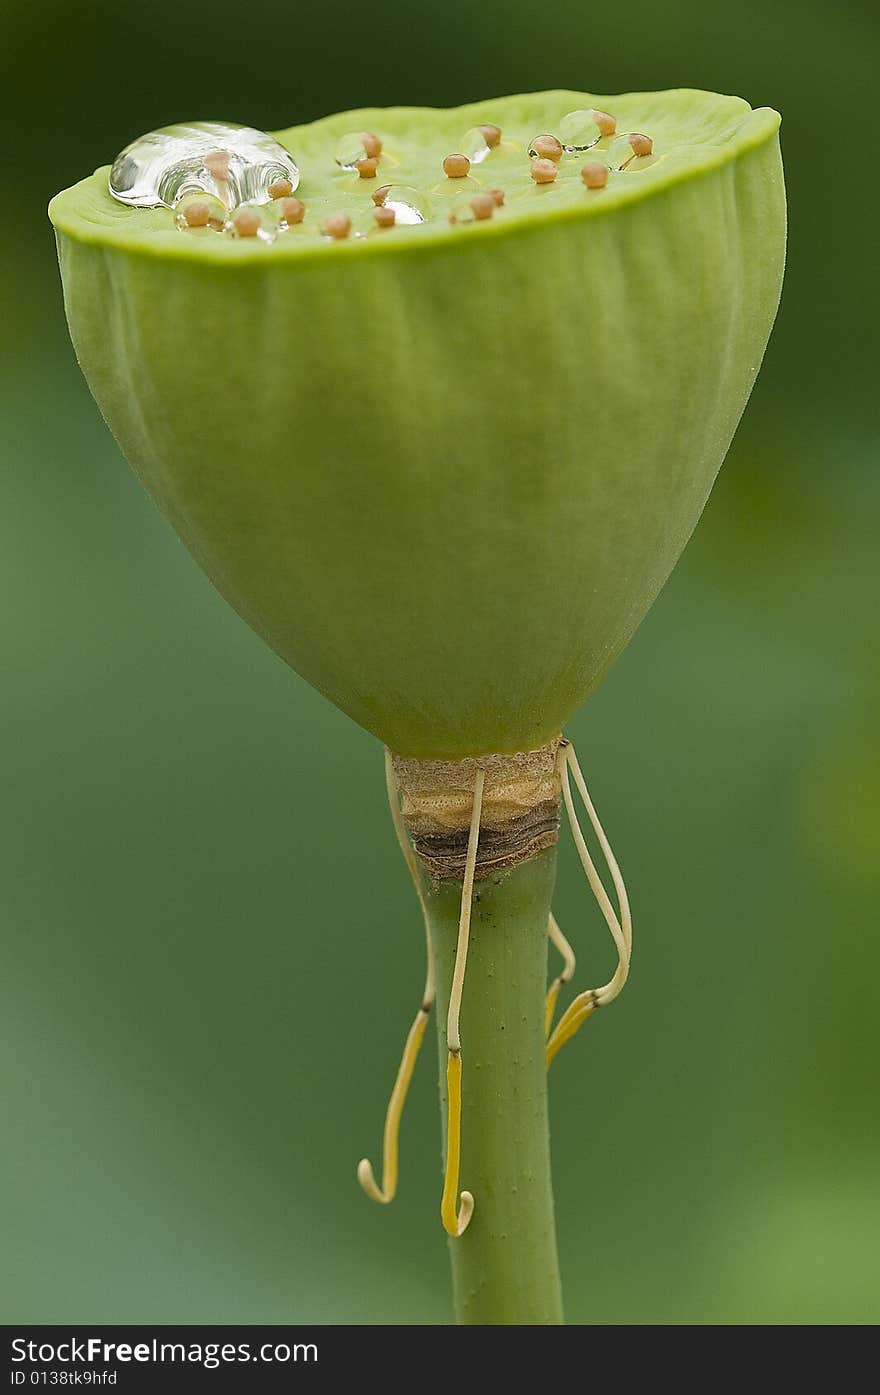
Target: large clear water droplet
x,y
579,130
409,205
351,150
235,164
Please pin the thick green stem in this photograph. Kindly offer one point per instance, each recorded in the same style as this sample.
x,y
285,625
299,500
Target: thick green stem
x,y
504,1267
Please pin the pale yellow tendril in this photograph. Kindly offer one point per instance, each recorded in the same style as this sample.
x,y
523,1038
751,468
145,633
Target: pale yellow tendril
x,y
456,1221
620,923
565,974
390,1148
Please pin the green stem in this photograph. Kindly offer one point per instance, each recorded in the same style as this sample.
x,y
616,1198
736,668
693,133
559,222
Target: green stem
x,y
504,1267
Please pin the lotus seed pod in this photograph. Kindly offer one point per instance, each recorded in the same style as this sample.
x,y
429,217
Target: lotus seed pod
x,y
449,505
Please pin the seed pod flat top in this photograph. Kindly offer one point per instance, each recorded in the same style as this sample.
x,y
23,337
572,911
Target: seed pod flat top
x,y
443,460
693,132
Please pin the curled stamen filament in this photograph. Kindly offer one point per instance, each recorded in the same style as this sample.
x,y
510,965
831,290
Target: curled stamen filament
x,y
456,1222
565,974
390,1149
621,927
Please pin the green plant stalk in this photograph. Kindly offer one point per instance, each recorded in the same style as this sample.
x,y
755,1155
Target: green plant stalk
x,y
504,1268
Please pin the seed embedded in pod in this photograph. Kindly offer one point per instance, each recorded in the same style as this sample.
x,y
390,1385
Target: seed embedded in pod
x,y
497,195
456,166
546,147
280,189
378,195
367,168
236,164
372,145
474,209
385,217
543,171
642,145
491,134
595,174
337,225
292,211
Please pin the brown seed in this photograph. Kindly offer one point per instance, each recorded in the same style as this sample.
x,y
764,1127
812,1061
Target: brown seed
x,y
497,196
372,145
280,188
197,215
246,222
293,210
217,163
594,175
482,206
491,135
385,217
456,166
378,195
607,124
642,145
543,171
338,225
367,168
547,148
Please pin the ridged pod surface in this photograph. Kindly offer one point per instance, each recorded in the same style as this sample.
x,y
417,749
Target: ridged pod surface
x,y
444,469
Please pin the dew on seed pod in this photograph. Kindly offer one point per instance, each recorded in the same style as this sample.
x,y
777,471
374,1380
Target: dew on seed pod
x,y
475,145
595,174
543,171
408,205
194,211
491,134
457,166
355,147
236,164
546,147
248,223
629,151
280,189
581,130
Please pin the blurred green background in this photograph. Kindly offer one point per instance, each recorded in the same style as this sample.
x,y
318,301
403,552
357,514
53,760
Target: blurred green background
x,y
198,874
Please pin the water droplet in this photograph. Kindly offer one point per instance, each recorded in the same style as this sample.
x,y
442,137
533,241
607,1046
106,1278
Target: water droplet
x,y
247,222
351,150
408,204
629,152
235,164
195,212
475,146
581,130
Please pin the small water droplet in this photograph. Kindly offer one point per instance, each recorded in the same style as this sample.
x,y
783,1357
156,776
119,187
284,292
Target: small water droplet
x,y
475,146
632,151
581,130
408,204
248,222
197,212
236,164
351,150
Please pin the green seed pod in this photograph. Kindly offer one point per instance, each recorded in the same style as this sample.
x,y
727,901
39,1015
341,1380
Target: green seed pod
x,y
443,466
